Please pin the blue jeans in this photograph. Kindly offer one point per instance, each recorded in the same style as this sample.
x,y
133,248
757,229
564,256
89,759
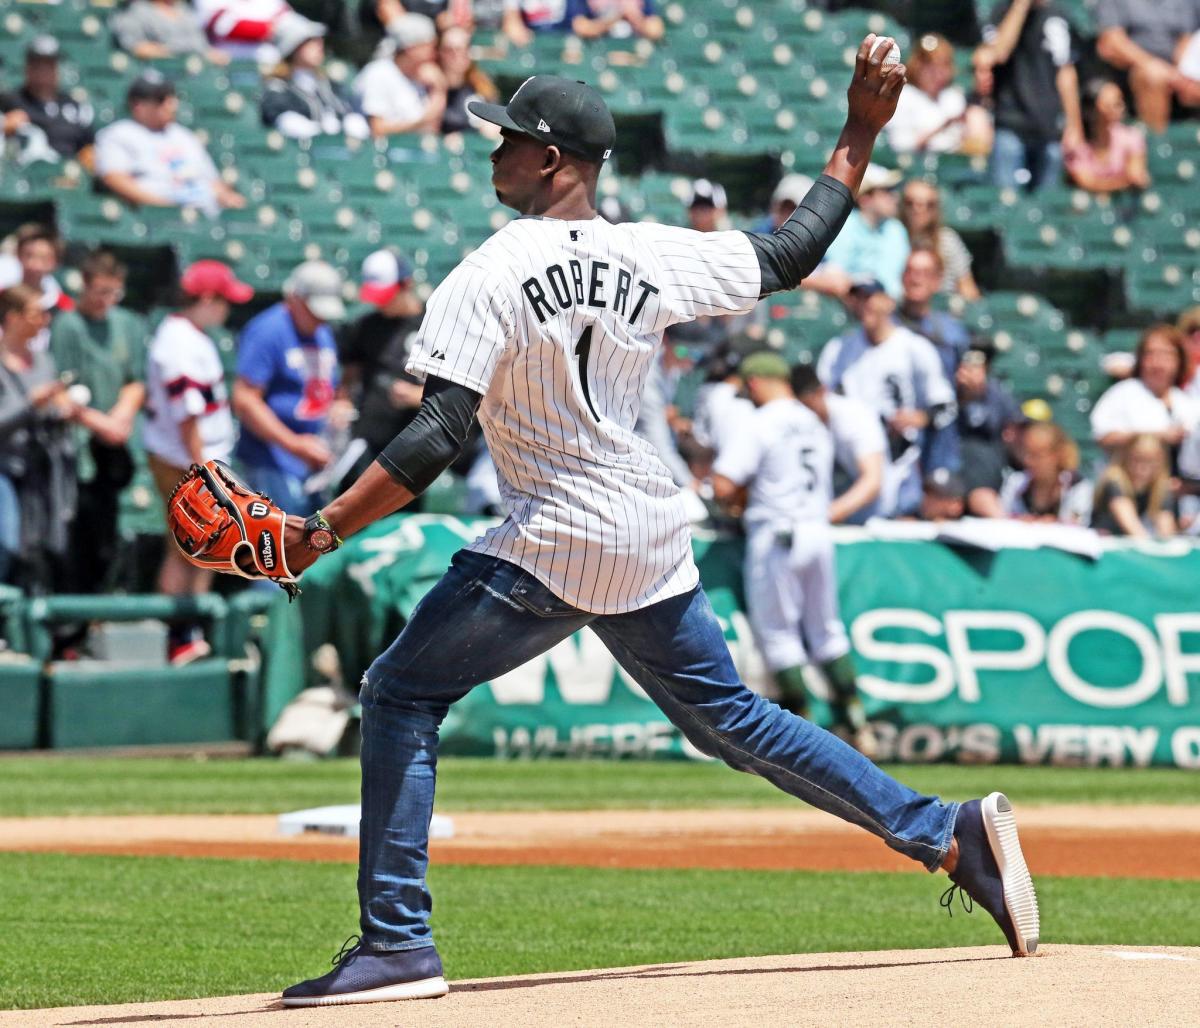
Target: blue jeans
x,y
10,525
486,617
287,491
1011,155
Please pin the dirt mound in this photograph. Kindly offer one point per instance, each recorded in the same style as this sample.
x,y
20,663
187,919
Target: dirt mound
x,y
1064,985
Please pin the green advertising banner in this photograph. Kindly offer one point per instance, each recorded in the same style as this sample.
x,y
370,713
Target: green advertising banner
x,y
1031,656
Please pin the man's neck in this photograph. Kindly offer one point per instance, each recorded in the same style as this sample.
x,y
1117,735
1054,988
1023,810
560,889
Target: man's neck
x,y
913,309
884,334
871,219
92,313
42,96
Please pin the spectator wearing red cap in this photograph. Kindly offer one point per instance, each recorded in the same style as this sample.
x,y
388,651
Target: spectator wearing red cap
x,y
188,419
374,350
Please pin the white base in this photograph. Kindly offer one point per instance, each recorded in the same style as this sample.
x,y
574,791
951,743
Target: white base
x,y
343,820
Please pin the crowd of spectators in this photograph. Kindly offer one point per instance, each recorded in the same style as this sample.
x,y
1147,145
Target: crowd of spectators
x,y
921,427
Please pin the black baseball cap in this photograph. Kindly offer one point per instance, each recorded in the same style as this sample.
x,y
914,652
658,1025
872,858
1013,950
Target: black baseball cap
x,y
866,286
150,85
560,112
42,48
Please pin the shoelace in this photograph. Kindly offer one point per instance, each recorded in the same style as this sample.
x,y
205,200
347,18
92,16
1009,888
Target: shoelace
x,y
947,900
347,951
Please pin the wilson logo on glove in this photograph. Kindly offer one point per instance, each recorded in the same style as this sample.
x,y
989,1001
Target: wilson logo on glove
x,y
207,515
266,550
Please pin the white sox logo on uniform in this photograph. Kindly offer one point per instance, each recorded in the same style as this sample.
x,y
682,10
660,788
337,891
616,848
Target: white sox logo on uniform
x,y
258,509
557,324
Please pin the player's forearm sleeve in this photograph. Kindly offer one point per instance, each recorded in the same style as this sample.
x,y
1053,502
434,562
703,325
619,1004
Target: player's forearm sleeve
x,y
788,255
430,442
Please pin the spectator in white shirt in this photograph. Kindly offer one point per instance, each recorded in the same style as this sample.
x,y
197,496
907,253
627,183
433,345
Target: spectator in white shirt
x,y
859,447
900,377
188,420
406,91
1152,402
151,160
931,114
1189,325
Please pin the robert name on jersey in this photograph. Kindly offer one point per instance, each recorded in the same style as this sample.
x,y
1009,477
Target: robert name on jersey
x,y
558,289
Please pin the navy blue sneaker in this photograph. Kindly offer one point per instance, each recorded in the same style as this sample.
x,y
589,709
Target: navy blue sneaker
x,y
991,871
361,975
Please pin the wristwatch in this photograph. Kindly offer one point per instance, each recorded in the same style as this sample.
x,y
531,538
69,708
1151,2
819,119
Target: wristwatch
x,y
319,534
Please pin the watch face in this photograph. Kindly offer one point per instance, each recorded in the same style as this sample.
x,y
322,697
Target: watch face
x,y
320,539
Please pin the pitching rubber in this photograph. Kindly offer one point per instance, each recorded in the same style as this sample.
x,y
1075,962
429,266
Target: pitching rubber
x,y
1019,895
427,988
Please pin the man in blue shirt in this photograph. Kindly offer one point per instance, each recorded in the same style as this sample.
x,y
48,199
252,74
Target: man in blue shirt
x,y
873,244
921,281
287,378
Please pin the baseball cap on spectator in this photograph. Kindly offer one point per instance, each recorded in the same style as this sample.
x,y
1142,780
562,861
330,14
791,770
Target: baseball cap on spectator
x,y
791,189
293,30
150,85
981,351
320,287
707,194
212,278
945,483
1037,409
42,48
862,287
411,30
878,177
384,274
764,364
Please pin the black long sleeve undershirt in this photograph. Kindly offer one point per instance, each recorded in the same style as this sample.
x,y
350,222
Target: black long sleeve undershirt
x,y
788,255
428,444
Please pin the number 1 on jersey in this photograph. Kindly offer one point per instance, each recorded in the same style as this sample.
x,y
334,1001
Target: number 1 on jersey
x,y
582,350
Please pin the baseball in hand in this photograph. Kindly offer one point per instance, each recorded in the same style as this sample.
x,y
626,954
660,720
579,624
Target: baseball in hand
x,y
892,57
79,394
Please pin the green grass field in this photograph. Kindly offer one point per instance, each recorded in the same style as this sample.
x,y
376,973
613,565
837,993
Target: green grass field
x,y
116,929
75,785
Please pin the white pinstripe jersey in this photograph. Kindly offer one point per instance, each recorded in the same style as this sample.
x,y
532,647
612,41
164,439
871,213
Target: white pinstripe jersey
x,y
556,324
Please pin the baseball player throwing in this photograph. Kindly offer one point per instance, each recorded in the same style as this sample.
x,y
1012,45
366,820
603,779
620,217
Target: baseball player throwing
x,y
548,331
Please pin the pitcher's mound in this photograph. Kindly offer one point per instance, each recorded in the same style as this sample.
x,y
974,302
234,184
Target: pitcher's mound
x,y
1064,985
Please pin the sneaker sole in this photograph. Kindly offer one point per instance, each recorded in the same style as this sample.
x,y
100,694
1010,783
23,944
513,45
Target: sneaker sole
x,y
1020,899
427,988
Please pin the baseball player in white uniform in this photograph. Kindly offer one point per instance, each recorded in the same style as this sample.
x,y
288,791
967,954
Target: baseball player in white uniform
x,y
860,450
548,331
783,460
899,375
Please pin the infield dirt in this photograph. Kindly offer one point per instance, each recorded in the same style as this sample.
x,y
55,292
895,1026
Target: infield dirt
x,y
1064,985
1116,841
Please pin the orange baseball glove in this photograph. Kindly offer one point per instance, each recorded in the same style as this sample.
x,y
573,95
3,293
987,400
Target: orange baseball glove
x,y
221,524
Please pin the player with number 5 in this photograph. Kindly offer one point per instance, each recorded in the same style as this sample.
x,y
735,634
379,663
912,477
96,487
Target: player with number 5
x,y
548,331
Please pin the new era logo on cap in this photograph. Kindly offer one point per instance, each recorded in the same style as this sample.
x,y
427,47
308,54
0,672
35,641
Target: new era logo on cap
x,y
542,126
